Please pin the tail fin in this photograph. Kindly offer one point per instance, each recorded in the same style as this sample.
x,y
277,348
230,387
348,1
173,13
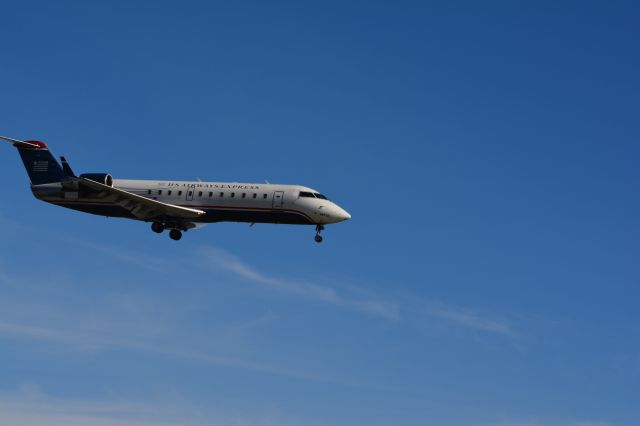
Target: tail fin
x,y
41,165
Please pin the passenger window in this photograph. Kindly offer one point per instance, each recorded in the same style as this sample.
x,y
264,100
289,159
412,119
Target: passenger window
x,y
233,194
255,195
179,192
190,193
159,191
244,195
149,192
221,194
200,194
264,196
210,194
169,192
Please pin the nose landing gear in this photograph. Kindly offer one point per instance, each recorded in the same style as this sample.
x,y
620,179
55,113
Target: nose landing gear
x,y
318,237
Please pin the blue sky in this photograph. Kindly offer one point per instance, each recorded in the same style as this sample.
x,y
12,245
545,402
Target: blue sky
x,y
486,150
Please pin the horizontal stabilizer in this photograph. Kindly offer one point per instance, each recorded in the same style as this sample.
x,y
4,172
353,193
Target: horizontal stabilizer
x,y
23,144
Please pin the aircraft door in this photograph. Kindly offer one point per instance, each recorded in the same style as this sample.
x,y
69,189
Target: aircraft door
x,y
190,191
278,199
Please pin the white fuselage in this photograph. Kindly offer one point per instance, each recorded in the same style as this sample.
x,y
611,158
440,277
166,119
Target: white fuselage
x,y
222,201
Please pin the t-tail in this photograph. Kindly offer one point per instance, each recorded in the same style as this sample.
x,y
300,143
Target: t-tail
x,y
41,165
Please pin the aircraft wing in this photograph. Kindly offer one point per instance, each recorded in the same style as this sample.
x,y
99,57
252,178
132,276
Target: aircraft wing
x,y
142,207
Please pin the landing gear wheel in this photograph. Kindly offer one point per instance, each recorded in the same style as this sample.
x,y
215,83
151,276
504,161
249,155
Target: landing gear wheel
x,y
157,227
318,237
175,234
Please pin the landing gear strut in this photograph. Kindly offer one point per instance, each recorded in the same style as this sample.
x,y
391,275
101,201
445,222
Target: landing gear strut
x,y
157,227
175,234
318,237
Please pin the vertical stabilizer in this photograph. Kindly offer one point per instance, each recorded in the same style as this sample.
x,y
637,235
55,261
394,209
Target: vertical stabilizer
x,y
41,165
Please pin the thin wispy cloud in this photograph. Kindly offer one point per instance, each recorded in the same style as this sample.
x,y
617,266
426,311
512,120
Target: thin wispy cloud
x,y
136,258
592,424
29,407
454,315
468,318
34,332
376,306
564,422
405,309
104,338
299,288
31,416
233,264
383,307
517,423
127,322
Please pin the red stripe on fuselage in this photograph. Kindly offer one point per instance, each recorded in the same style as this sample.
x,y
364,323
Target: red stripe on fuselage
x,y
192,206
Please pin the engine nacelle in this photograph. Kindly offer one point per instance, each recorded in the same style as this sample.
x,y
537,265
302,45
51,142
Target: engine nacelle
x,y
103,178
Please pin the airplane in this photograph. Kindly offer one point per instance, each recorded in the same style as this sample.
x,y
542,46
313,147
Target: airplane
x,y
177,206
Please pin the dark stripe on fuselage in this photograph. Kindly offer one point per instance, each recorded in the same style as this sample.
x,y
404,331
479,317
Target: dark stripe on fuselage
x,y
218,214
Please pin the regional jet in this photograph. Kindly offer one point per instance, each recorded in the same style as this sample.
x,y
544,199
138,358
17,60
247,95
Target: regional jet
x,y
177,206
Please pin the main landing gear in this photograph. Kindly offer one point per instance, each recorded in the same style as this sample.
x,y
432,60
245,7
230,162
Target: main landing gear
x,y
318,237
158,227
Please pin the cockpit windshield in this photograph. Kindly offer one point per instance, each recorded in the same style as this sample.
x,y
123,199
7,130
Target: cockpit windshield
x,y
306,194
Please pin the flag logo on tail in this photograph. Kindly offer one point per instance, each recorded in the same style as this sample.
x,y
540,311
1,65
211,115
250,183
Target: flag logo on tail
x,y
40,166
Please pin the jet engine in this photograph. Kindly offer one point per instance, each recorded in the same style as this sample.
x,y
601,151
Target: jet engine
x,y
103,178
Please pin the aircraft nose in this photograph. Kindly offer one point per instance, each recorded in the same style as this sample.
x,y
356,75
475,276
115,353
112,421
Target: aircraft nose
x,y
342,214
